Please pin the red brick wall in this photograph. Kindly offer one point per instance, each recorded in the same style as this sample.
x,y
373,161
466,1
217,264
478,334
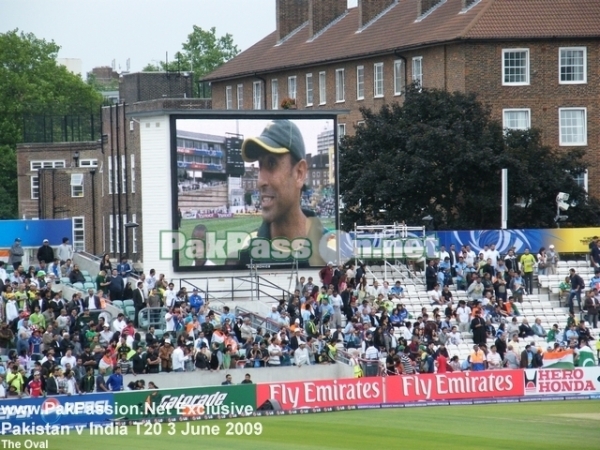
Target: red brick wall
x,y
368,10
290,15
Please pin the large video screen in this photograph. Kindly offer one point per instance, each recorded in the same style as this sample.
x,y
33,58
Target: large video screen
x,y
254,191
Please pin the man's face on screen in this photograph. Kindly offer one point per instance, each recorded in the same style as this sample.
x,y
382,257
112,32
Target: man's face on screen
x,y
280,182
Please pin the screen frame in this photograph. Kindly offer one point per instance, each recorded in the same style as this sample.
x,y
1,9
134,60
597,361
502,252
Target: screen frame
x,y
244,115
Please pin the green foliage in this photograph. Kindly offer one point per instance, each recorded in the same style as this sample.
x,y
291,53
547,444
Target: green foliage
x,y
32,83
202,53
441,154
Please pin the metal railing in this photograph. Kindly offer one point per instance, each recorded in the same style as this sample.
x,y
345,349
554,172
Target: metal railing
x,y
258,321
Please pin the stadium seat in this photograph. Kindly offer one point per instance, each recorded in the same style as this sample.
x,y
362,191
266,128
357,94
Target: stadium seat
x,y
78,286
87,286
130,312
128,302
117,304
85,273
65,280
88,279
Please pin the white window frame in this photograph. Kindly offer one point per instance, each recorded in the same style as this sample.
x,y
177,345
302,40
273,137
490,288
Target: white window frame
x,y
560,127
310,93
91,162
584,179
322,88
378,80
132,167
79,233
292,87
509,110
340,85
274,93
257,95
228,97
111,240
77,185
399,77
110,175
240,96
134,248
124,233
341,131
417,70
34,182
123,174
560,66
360,82
527,67
47,164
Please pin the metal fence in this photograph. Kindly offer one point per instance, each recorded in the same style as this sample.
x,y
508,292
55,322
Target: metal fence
x,y
38,128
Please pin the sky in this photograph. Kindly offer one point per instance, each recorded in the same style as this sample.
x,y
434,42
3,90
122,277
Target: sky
x,y
100,31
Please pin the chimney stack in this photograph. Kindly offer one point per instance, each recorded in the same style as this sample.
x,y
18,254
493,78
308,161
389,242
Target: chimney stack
x,y
467,3
290,15
323,12
369,9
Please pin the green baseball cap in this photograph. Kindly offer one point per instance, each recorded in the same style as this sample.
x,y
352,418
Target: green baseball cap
x,y
279,137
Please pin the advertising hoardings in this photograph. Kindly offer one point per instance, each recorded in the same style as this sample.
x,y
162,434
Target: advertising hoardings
x,y
323,393
188,402
454,386
579,381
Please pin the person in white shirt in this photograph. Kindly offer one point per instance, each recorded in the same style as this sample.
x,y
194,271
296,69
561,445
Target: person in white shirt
x,y
469,255
68,359
463,315
435,295
443,253
301,355
335,300
454,337
274,354
371,352
64,251
493,358
374,290
151,280
274,314
492,254
170,296
119,323
179,359
71,383
3,274
105,335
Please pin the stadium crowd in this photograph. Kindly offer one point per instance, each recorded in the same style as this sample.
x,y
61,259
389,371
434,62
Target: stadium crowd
x,y
58,346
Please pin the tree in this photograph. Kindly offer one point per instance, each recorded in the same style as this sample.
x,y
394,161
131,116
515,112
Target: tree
x,y
202,53
32,83
441,154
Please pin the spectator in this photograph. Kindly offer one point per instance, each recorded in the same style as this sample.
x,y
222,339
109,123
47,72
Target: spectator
x,y
45,253
115,381
64,251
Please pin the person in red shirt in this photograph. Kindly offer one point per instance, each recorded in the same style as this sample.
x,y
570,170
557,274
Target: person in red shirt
x,y
442,359
34,387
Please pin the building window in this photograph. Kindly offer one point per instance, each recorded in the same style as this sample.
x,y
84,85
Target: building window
x,y
110,176
229,97
573,129
76,185
48,164
111,233
309,89
399,77
79,234
582,180
257,95
240,96
515,67
378,80
123,174
417,71
274,94
360,82
292,87
134,248
322,88
516,119
35,187
132,165
572,65
339,86
88,163
341,131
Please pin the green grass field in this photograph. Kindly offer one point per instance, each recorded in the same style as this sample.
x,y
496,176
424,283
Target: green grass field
x,y
543,425
247,223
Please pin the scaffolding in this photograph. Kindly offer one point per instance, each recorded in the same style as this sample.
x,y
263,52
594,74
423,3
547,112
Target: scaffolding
x,y
397,243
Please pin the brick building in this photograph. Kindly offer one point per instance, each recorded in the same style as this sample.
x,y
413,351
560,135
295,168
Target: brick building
x,y
535,62
98,183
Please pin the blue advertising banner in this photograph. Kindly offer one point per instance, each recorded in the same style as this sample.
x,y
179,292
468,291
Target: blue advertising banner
x,y
33,232
55,411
